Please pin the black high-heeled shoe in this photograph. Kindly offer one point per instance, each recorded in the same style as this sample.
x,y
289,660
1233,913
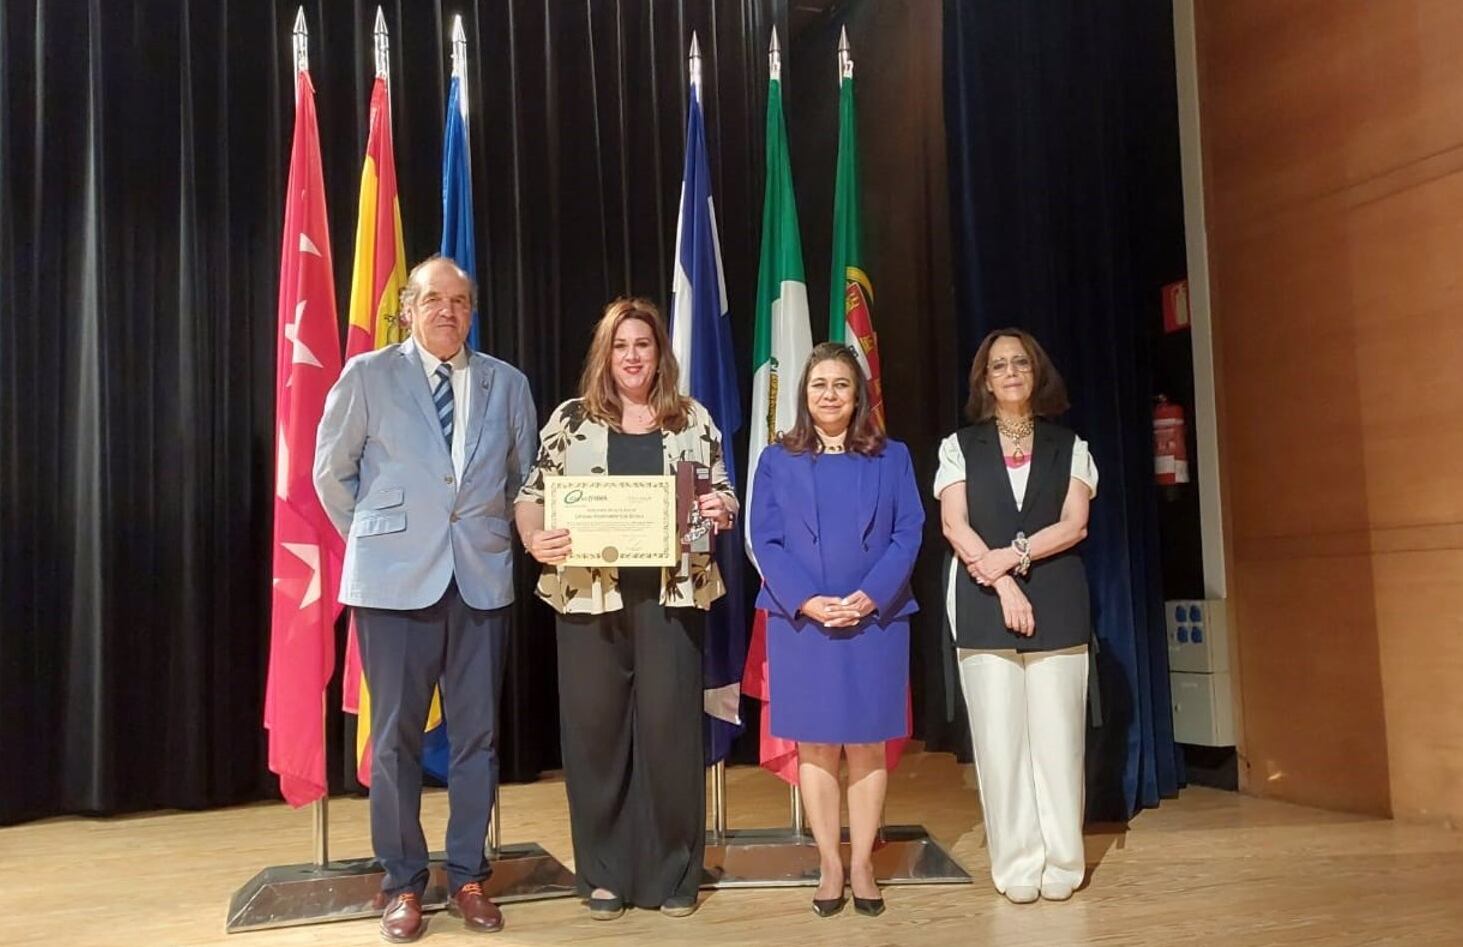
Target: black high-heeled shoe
x,y
868,907
827,907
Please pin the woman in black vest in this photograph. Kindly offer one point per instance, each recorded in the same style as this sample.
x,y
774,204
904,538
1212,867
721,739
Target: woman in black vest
x,y
1014,490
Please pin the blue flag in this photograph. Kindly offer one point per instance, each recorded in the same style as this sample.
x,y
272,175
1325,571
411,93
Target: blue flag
x,y
702,340
458,245
457,224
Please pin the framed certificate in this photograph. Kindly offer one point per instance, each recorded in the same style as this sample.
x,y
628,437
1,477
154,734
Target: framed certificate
x,y
615,521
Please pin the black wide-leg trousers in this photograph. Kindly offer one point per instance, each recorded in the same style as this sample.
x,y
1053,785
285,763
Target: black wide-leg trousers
x,y
630,703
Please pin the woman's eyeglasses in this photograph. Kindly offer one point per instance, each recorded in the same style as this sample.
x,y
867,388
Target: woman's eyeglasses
x,y
1019,365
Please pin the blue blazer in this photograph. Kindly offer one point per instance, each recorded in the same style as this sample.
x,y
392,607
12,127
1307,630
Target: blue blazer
x,y
384,475
784,528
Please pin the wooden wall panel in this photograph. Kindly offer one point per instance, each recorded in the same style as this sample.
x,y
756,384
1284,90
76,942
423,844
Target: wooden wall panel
x,y
1420,628
1313,714
1333,176
1404,271
1307,99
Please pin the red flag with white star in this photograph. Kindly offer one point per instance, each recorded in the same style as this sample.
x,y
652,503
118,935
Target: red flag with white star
x,y
307,549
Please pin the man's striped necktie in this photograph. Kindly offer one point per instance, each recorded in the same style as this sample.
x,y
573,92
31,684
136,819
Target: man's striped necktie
x,y
442,397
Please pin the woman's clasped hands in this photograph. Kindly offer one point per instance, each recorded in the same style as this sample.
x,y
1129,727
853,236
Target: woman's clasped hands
x,y
831,611
993,569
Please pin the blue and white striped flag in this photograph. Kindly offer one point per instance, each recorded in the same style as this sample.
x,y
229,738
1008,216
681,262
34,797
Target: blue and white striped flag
x,y
702,340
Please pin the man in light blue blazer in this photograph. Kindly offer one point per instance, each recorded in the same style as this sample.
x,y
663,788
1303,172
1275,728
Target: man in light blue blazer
x,y
420,452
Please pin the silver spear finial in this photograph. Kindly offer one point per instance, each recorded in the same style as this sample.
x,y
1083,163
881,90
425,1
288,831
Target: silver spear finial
x,y
301,45
459,62
383,46
695,61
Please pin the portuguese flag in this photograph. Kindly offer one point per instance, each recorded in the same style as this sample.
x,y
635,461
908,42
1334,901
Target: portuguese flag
x,y
851,293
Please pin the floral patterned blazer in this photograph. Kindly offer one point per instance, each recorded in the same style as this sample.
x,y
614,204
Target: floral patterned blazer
x,y
572,444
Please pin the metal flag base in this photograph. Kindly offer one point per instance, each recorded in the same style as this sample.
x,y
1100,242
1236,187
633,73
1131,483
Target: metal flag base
x,y
774,858
288,895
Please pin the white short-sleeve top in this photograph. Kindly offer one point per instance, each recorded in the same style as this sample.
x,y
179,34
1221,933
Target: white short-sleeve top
x,y
952,468
952,471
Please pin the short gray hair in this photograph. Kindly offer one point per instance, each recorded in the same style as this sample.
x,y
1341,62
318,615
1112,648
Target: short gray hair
x,y
410,290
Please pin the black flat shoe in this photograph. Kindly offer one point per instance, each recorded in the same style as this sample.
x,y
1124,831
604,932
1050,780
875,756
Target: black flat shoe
x,y
827,907
679,907
606,909
868,907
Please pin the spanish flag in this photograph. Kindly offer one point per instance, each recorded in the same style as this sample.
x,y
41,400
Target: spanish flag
x,y
380,266
377,278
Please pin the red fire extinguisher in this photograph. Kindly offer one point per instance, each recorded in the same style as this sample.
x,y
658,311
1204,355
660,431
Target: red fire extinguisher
x,y
1170,443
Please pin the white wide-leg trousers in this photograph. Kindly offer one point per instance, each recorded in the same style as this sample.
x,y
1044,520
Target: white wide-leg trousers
x,y
1028,723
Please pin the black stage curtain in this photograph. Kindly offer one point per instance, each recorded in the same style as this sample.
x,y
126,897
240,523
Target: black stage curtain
x,y
143,149
142,159
1067,218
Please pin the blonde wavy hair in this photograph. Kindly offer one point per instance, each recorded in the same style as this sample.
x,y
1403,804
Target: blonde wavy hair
x,y
597,384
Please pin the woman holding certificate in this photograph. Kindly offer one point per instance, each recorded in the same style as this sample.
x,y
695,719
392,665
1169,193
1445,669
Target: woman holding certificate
x,y
835,524
1014,489
630,637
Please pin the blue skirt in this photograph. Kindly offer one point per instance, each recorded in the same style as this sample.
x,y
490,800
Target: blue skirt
x,y
838,685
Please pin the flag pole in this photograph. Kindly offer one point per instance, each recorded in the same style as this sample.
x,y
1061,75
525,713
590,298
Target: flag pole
x,y
320,808
718,769
718,797
774,74
459,71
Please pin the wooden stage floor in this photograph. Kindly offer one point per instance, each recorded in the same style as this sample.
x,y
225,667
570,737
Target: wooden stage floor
x,y
1208,867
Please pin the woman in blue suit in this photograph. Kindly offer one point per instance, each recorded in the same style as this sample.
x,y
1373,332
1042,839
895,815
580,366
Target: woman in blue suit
x,y
835,524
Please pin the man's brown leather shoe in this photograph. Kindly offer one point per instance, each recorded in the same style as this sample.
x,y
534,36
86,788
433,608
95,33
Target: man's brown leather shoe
x,y
402,921
478,913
